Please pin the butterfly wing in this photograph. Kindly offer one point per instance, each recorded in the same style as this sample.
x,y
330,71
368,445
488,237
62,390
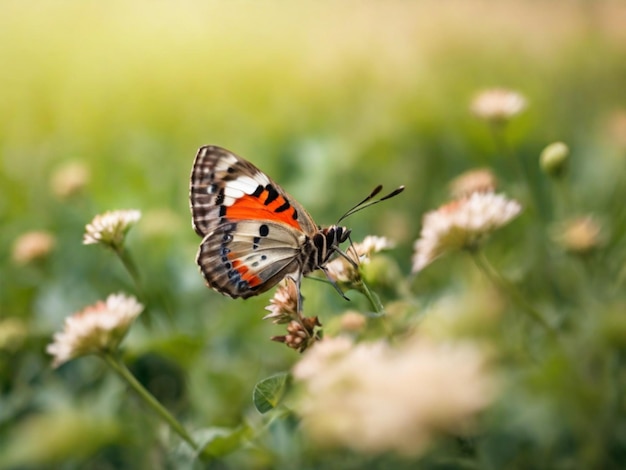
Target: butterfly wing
x,y
252,229
238,261
223,182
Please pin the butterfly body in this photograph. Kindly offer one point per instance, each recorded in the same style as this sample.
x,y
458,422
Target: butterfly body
x,y
253,233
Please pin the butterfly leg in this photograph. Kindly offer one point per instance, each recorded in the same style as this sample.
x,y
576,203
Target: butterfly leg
x,y
332,281
347,258
298,280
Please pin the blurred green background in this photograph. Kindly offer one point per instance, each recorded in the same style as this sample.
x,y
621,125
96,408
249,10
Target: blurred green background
x,y
329,99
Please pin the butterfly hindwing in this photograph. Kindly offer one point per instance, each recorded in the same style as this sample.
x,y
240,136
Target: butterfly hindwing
x,y
248,257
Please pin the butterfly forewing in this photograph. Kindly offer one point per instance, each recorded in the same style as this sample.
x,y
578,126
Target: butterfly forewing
x,y
220,179
213,168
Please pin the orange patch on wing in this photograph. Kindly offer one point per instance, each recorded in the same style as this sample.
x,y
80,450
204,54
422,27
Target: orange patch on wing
x,y
252,208
246,274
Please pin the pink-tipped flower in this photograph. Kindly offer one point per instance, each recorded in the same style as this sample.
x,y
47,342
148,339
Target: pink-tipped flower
x,y
283,306
480,180
341,270
33,246
497,104
110,228
70,179
96,329
461,224
301,333
376,398
580,235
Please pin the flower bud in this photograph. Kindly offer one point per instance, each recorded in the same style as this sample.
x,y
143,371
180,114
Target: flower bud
x,y
553,159
300,334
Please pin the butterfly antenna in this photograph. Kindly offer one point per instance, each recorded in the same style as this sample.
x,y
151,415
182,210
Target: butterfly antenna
x,y
374,192
367,202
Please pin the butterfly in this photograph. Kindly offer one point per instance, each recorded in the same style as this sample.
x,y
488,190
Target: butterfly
x,y
253,233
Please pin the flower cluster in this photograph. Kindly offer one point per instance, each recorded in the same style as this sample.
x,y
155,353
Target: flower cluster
x,y
283,306
373,398
497,104
70,179
463,223
302,331
342,270
96,329
33,246
579,235
480,180
110,228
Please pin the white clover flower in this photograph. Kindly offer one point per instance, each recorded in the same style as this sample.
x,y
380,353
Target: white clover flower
x,y
324,353
341,270
497,104
32,246
480,180
580,235
373,398
96,329
110,228
461,224
70,179
352,321
372,244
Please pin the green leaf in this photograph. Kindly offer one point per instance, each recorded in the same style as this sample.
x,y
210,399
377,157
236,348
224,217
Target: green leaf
x,y
268,392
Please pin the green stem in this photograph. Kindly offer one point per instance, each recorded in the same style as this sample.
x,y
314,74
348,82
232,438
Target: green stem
x,y
616,381
490,272
621,277
125,374
498,131
128,262
377,306
371,296
563,201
